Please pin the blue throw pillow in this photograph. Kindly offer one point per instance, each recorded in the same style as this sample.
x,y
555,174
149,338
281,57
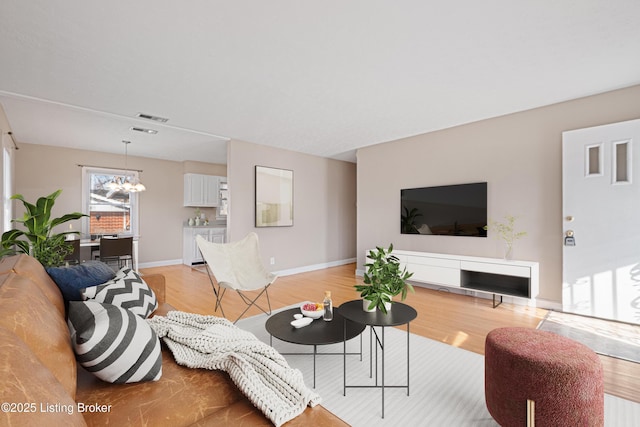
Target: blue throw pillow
x,y
75,277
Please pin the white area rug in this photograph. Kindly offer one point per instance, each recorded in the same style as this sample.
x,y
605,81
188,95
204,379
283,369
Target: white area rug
x,y
446,383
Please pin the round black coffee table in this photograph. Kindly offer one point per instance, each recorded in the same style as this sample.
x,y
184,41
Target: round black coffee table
x,y
319,332
400,314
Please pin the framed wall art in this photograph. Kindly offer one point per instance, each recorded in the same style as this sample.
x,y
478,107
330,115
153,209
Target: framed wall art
x,y
274,197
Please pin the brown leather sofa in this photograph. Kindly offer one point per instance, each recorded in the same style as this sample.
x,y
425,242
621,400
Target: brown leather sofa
x,y
41,384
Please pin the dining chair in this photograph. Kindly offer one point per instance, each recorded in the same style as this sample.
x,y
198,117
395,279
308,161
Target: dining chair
x,y
117,251
74,256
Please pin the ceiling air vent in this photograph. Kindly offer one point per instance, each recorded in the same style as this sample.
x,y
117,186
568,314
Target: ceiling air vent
x,y
150,117
145,130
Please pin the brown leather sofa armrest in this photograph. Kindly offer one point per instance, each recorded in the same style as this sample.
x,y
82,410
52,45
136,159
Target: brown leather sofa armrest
x,y
243,414
158,284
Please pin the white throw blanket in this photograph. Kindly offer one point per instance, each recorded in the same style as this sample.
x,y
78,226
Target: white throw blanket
x,y
256,368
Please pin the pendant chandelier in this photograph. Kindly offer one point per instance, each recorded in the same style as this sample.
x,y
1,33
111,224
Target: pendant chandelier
x,y
126,184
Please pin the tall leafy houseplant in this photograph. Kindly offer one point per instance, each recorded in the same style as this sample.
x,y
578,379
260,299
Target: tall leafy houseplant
x,y
384,279
37,238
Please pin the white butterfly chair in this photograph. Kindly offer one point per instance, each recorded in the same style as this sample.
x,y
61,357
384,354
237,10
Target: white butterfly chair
x,y
238,266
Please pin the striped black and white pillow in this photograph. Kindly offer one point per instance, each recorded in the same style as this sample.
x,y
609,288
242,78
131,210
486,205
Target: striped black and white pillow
x,y
127,290
114,344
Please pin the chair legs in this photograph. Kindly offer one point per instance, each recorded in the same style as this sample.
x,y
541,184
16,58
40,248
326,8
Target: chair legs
x,y
116,263
252,302
219,292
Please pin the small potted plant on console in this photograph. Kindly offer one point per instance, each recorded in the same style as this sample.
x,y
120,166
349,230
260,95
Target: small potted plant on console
x,y
383,280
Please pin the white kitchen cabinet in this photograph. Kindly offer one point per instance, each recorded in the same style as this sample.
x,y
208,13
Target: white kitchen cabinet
x,y
201,190
190,252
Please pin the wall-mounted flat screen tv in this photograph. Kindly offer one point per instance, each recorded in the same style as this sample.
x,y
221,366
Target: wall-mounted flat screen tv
x,y
449,210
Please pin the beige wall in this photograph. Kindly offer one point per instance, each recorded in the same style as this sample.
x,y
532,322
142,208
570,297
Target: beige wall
x,y
324,217
190,166
519,155
324,200
42,169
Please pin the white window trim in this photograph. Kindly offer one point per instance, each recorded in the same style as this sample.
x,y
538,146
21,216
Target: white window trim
x,y
135,206
628,162
587,160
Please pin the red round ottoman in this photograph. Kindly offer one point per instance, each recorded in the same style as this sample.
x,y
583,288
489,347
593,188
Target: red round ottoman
x,y
563,377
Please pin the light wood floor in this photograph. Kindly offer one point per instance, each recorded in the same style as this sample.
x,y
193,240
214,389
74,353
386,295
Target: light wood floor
x,y
458,320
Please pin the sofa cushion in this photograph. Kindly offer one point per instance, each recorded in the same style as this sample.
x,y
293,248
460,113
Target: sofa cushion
x,y
75,277
34,395
113,343
127,290
27,312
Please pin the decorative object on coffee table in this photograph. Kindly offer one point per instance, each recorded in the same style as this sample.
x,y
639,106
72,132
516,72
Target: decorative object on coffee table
x,y
312,309
383,279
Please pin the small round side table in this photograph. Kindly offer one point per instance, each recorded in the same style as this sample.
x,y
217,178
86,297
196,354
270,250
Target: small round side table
x,y
400,314
317,333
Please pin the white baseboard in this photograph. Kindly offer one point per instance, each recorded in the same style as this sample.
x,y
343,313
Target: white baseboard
x,y
287,272
548,304
159,263
314,267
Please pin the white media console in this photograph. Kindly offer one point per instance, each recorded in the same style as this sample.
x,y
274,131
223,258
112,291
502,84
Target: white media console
x,y
489,275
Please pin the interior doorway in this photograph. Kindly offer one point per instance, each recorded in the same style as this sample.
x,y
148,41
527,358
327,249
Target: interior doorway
x,y
601,221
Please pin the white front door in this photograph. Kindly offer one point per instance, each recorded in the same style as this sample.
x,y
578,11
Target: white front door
x,y
601,221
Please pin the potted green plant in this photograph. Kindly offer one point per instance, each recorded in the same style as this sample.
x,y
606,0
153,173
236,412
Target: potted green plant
x,y
38,239
383,280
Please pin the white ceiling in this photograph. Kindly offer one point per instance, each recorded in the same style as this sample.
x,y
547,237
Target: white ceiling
x,y
319,77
